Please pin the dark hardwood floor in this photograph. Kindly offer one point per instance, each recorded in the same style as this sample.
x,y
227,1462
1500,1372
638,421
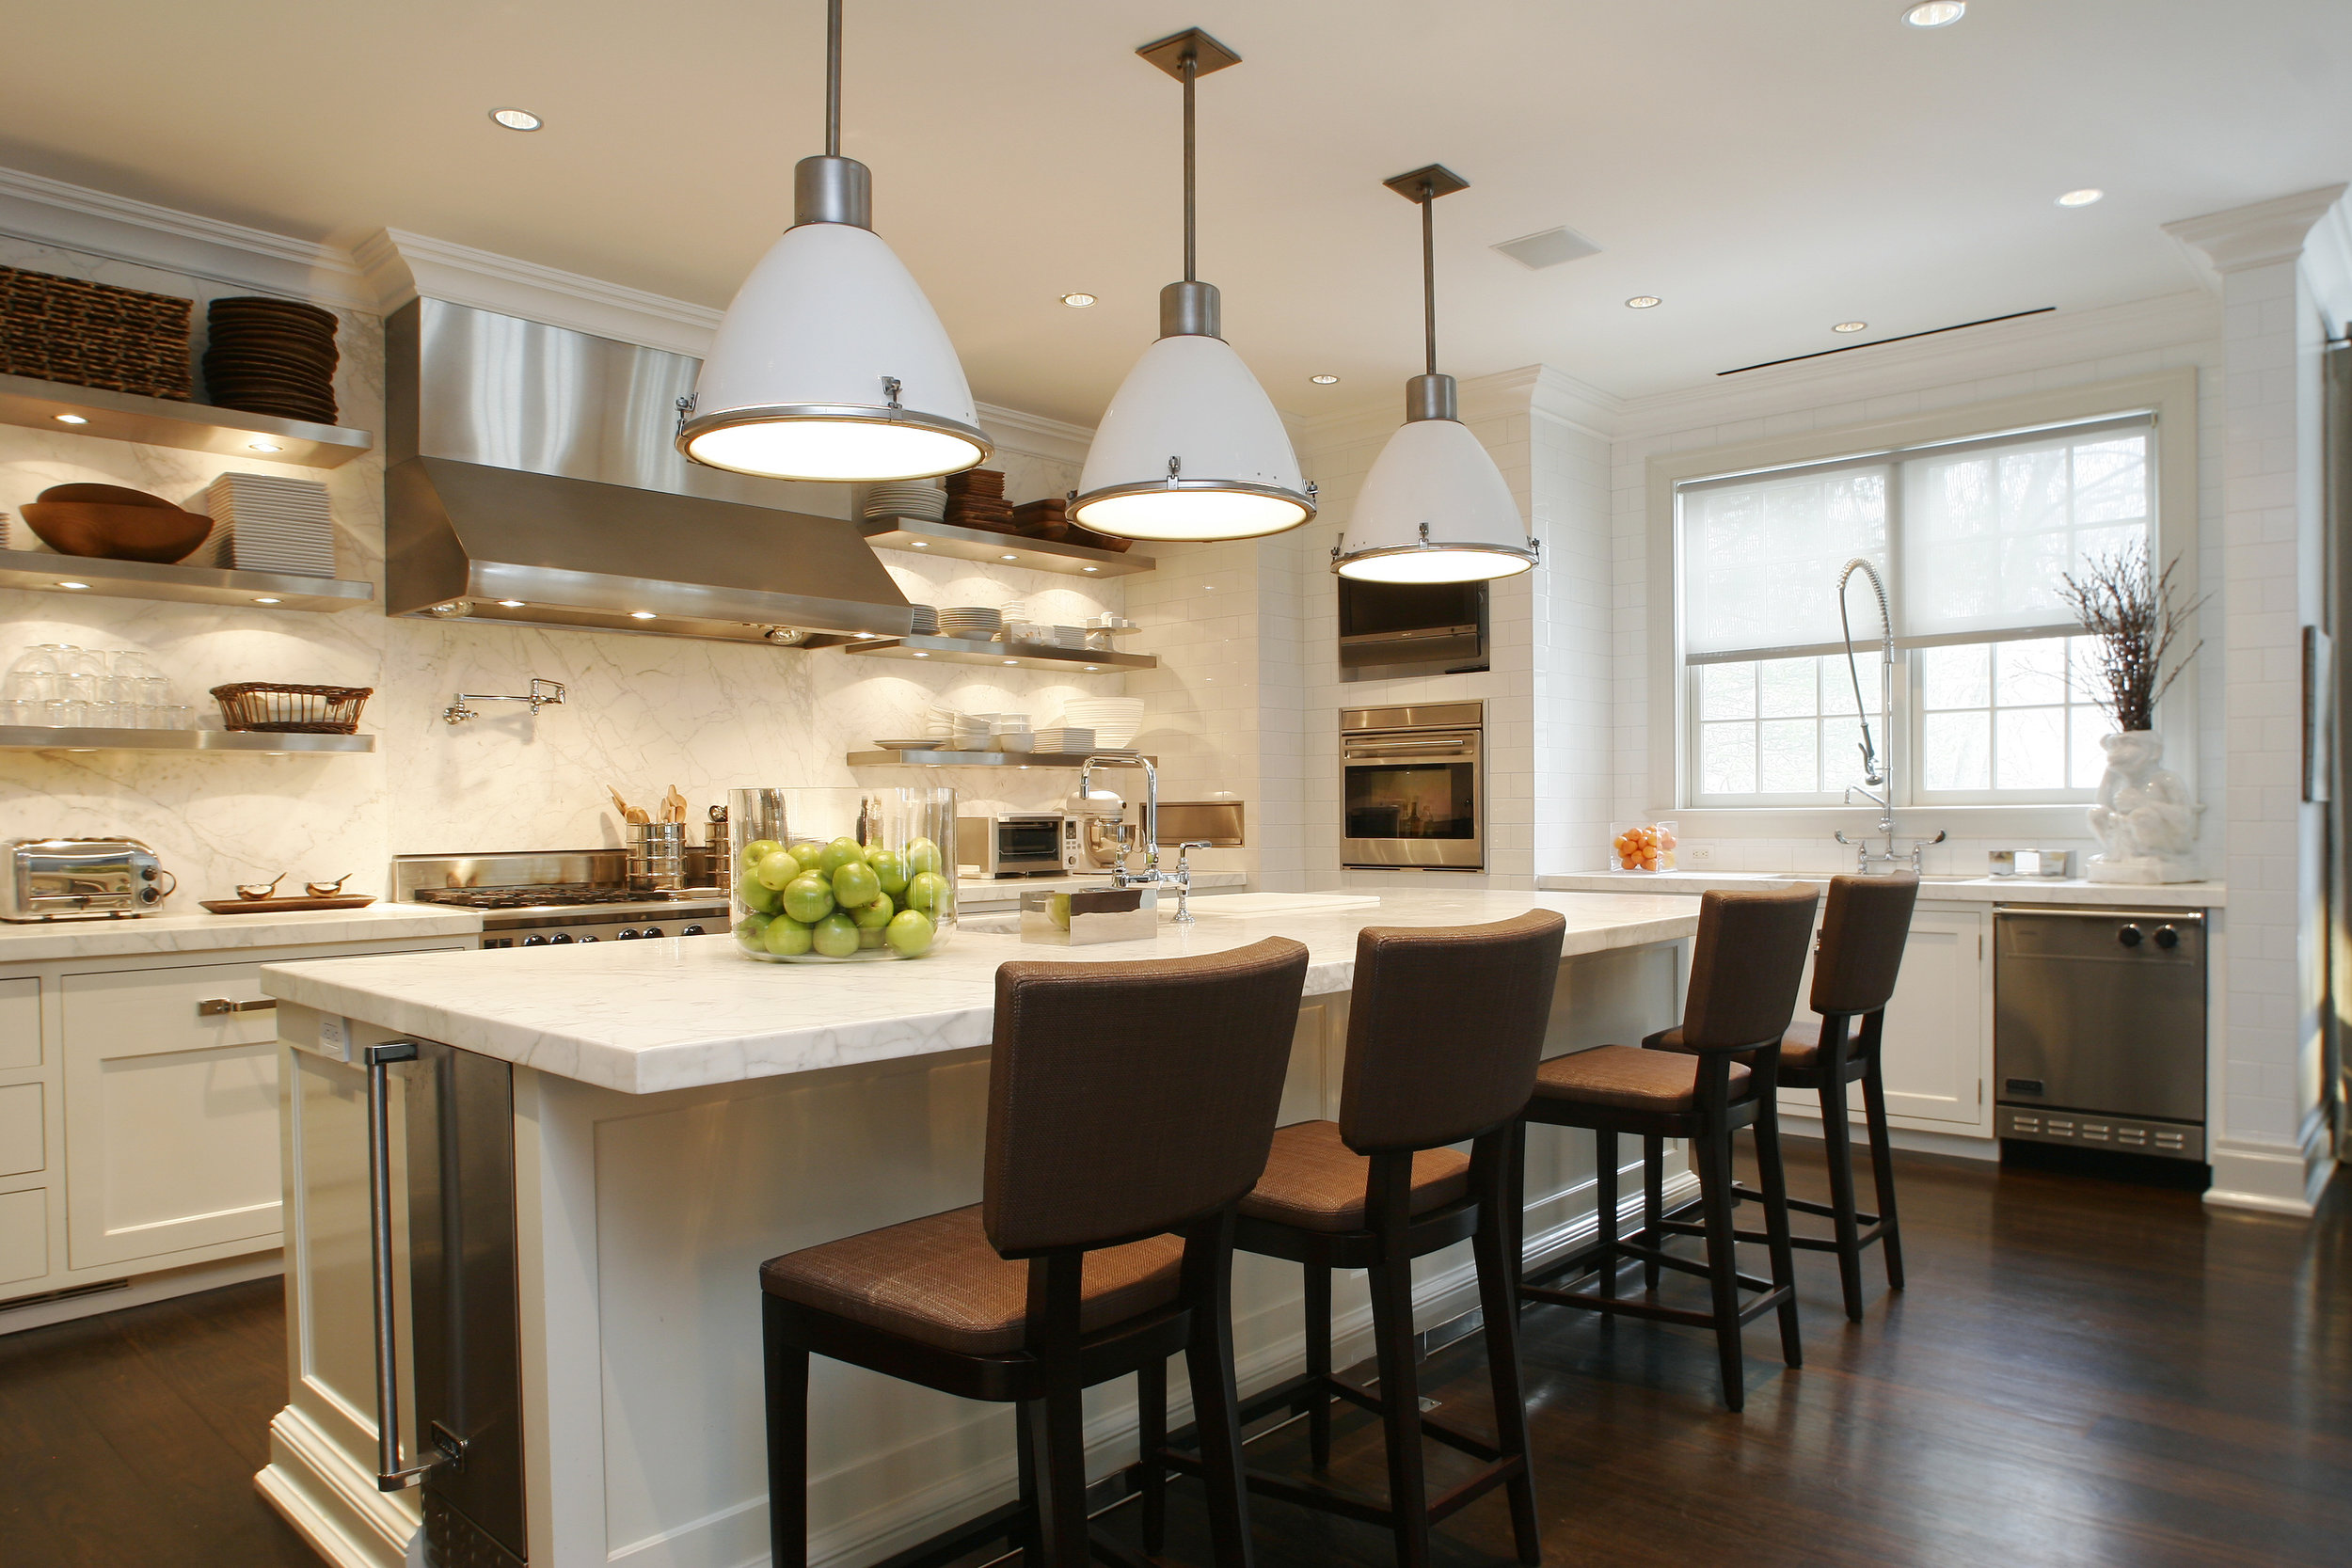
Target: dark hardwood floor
x,y
2082,1374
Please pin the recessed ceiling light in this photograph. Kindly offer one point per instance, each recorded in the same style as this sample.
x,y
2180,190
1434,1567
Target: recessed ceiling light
x,y
641,615
1325,380
510,604
1643,302
1850,326
74,585
2083,198
1077,301
70,418
517,119
1935,13
263,446
264,600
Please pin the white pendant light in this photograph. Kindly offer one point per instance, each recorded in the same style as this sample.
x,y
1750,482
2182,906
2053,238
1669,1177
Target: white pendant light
x,y
1191,447
1435,507
831,364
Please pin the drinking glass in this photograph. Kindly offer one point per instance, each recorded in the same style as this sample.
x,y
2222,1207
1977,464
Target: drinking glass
x,y
65,713
177,716
15,712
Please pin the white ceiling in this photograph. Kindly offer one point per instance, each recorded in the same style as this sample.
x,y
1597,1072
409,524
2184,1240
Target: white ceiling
x,y
1766,169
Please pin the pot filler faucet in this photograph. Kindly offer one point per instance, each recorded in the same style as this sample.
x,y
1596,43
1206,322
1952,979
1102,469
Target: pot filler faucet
x,y
1877,776
1148,830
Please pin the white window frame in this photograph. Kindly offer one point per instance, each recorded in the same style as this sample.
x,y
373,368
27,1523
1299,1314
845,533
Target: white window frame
x,y
2168,398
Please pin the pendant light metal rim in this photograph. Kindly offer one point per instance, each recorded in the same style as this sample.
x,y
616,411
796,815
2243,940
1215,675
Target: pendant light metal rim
x,y
1218,486
1529,553
831,413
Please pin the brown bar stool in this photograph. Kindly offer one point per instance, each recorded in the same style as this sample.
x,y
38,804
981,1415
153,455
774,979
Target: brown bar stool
x,y
1745,969
1444,1029
1864,929
1126,1100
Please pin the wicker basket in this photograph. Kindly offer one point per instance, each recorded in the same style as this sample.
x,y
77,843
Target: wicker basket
x,y
84,334
293,710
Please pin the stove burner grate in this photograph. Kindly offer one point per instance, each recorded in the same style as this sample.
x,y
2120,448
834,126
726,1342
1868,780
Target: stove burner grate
x,y
555,894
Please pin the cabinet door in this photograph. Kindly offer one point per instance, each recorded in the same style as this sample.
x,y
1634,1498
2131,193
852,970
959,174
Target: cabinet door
x,y
171,1114
1934,1050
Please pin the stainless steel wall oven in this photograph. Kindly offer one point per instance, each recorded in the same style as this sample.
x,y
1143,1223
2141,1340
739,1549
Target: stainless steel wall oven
x,y
1413,786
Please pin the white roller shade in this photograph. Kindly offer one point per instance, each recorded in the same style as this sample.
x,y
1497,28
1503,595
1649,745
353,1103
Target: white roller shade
x,y
1760,557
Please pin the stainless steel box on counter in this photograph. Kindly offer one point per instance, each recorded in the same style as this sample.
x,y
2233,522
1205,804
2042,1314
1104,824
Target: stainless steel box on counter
x,y
81,879
1097,914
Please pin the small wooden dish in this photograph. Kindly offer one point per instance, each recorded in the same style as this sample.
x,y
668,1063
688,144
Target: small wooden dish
x,y
284,906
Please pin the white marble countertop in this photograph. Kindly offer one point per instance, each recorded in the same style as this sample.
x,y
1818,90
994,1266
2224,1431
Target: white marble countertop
x,y
200,932
1972,890
974,892
682,1012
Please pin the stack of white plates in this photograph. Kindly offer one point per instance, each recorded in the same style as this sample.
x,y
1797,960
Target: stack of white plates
x,y
264,523
1113,720
974,623
920,498
1065,741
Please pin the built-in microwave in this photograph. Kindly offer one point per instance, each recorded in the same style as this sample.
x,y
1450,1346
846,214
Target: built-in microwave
x,y
1392,629
1013,844
1413,786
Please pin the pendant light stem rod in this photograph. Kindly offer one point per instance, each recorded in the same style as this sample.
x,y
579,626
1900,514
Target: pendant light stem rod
x,y
833,78
1429,277
1192,69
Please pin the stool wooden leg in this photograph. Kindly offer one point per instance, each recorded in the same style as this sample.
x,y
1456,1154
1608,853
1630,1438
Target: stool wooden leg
x,y
1028,1444
788,1441
1061,1470
1319,1364
1837,1139
1497,1298
1391,1281
1882,1170
1711,1148
1653,1203
1216,1404
1151,1437
1605,1206
1773,1178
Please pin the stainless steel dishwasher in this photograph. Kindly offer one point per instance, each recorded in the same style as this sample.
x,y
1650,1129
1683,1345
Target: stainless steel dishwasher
x,y
2098,1028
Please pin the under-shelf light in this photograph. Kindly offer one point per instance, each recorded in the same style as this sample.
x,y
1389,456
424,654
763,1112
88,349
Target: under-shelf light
x,y
265,599
74,585
70,418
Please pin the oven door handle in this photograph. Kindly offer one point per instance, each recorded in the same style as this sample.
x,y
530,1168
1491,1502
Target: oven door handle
x,y
389,1477
1448,753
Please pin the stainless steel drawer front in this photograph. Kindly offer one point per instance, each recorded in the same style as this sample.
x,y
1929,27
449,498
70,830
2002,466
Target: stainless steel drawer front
x,y
2100,1012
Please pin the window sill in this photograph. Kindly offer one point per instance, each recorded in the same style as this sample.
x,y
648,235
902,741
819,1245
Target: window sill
x,y
2023,823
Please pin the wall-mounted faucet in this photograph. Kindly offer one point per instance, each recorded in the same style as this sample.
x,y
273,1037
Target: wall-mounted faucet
x,y
1877,776
543,694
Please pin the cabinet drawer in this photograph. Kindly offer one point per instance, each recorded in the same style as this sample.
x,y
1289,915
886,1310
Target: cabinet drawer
x,y
125,1012
20,1022
21,1139
23,1235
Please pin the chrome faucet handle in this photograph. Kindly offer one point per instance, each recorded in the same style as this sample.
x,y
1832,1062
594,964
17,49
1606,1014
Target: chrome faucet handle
x,y
1181,877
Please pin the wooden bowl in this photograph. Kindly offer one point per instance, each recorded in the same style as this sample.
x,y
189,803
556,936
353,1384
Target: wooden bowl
x,y
162,534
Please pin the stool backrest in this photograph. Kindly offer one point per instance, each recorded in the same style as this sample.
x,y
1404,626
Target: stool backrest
x,y
1745,966
1444,1029
1129,1098
1863,932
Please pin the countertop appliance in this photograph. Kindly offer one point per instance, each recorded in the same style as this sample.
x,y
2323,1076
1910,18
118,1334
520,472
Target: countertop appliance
x,y
1413,786
2098,1028
1392,629
553,899
1012,844
82,879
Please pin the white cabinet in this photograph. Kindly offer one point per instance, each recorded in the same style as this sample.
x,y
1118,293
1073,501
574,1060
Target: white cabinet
x,y
1938,1045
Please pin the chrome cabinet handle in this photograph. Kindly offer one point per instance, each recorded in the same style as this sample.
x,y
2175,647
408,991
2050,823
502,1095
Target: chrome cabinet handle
x,y
389,1477
213,1007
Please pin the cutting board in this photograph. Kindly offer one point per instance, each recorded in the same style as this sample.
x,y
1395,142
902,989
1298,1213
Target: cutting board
x,y
1245,906
284,906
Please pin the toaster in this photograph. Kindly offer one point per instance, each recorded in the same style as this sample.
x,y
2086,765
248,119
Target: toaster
x,y
82,879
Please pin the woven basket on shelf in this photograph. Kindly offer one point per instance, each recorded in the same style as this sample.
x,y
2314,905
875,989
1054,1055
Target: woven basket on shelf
x,y
85,334
293,710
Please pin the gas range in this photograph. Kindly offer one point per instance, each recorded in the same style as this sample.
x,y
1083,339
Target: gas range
x,y
557,898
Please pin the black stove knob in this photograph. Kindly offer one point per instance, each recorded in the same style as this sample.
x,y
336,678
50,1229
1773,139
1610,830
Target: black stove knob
x,y
692,931
2130,936
2166,938
624,935
652,931
560,939
534,941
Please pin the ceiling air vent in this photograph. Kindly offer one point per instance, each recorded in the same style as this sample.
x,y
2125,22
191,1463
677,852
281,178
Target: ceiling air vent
x,y
1549,249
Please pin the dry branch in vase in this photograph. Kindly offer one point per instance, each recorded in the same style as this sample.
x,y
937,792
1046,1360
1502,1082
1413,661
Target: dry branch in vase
x,y
2129,610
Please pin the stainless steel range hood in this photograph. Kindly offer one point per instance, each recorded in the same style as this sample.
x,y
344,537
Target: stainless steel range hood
x,y
533,480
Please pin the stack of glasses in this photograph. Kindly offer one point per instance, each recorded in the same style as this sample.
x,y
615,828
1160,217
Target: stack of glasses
x,y
57,685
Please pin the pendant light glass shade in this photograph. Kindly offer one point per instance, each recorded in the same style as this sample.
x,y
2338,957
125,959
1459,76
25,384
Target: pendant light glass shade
x,y
1431,493
1191,400
830,364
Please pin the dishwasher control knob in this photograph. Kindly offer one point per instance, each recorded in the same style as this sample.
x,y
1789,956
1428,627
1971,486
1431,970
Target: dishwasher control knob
x,y
560,939
2166,938
2129,936
534,941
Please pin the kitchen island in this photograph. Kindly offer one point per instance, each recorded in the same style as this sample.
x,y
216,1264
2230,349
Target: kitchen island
x,y
678,1115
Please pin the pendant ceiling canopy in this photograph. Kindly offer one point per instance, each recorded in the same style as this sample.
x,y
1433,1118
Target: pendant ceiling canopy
x,y
831,364
1435,507
1191,448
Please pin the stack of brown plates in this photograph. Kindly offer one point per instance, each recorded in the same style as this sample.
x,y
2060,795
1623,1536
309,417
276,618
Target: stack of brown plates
x,y
1044,519
976,499
272,357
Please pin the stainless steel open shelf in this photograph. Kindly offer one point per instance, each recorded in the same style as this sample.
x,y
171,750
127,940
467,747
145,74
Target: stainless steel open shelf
x,y
923,537
41,738
145,580
1027,656
990,759
189,426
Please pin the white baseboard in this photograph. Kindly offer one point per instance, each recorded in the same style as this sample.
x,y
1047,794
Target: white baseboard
x,y
1964,1145
2281,1182
145,1288
333,1503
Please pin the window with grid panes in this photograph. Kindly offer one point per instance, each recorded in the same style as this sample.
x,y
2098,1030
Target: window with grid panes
x,y
1992,699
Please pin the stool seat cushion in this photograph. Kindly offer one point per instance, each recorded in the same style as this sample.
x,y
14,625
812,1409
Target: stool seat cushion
x,y
1628,1079
1313,1181
936,1280
1800,1048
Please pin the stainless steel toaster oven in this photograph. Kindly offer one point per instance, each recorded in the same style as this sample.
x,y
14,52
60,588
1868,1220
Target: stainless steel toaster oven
x,y
82,879
1014,843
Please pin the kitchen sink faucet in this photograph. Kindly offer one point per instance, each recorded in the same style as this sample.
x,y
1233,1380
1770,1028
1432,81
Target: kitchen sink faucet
x,y
1877,779
1147,830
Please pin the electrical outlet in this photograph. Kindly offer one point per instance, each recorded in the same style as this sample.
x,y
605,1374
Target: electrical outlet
x,y
1698,854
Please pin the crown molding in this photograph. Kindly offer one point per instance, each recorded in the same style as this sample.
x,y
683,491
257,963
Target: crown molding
x,y
400,266
2262,233
2327,265
1035,434
98,222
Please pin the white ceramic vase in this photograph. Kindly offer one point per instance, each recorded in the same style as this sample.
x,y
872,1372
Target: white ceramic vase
x,y
2145,822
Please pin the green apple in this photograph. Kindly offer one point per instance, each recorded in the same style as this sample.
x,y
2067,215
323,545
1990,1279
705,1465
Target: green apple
x,y
787,936
1060,909
809,853
841,853
928,890
870,936
751,932
759,849
809,898
777,868
756,895
873,915
910,933
890,869
923,855
856,885
836,935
